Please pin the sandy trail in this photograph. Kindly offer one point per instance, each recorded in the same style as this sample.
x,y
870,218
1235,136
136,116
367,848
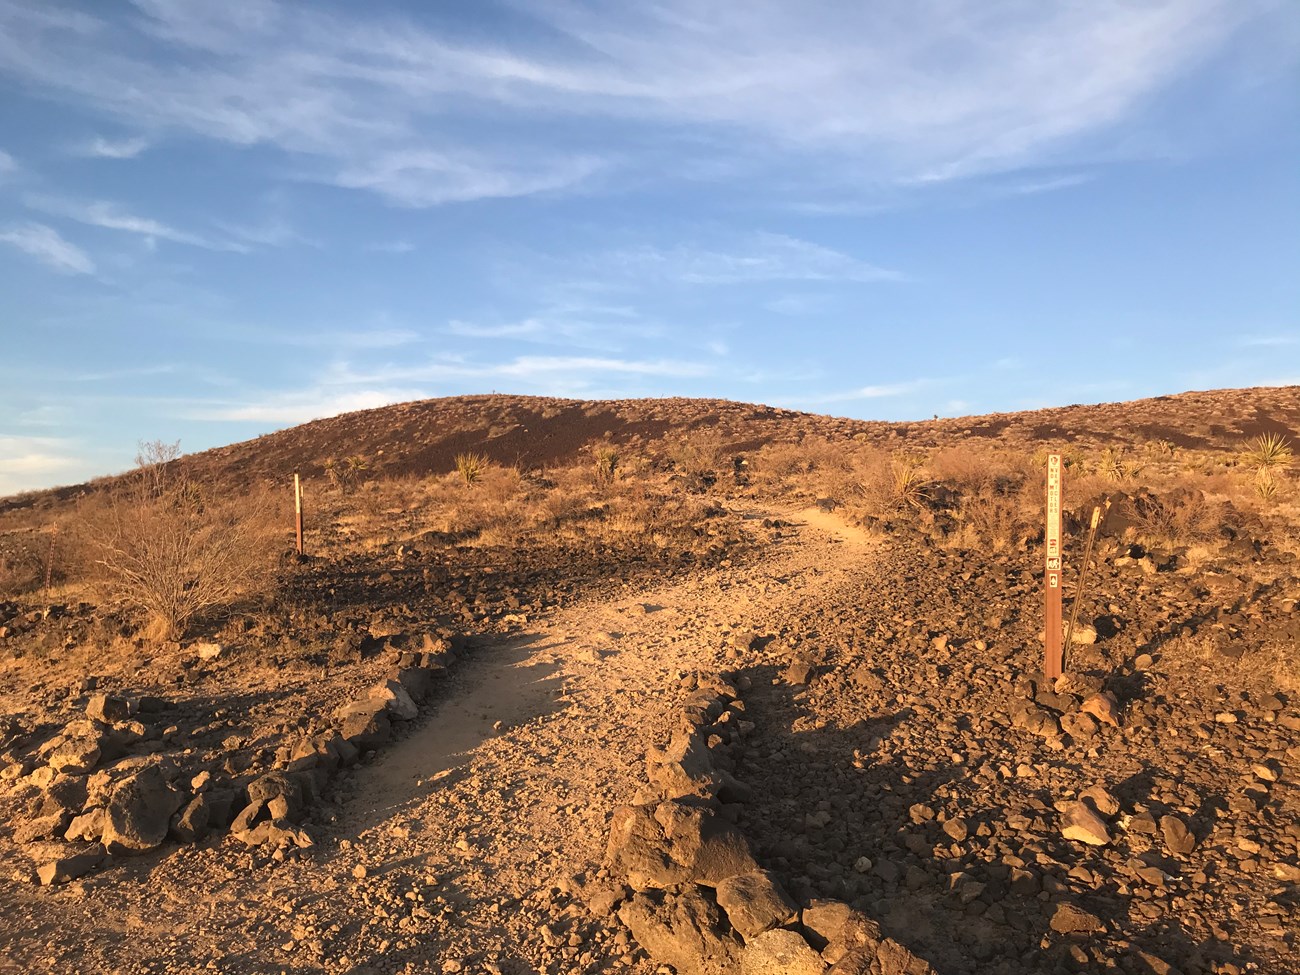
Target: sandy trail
x,y
504,813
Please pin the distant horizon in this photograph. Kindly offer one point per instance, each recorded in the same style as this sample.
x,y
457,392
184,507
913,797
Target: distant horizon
x,y
221,220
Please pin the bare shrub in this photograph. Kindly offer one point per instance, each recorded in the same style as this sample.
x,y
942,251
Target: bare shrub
x,y
168,549
995,517
1180,517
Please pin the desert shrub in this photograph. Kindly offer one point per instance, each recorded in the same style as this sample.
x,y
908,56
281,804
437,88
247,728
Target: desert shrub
x,y
1266,484
700,454
169,549
996,517
813,466
470,467
20,572
1180,517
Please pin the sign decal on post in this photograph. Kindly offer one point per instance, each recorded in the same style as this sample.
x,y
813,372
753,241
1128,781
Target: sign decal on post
x,y
1053,661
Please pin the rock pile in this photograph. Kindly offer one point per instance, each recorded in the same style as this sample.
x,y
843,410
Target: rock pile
x,y
686,884
105,783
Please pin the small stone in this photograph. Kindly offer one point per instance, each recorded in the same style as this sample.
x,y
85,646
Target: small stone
x,y
360,871
1104,707
70,867
956,829
1069,919
1080,823
208,650
1178,838
107,708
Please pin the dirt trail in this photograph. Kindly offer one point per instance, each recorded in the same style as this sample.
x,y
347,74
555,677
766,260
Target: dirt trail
x,y
503,814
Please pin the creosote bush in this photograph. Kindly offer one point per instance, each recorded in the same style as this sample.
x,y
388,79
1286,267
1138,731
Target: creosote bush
x,y
166,547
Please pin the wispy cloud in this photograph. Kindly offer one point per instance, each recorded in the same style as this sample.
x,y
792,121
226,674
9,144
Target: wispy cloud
x,y
101,148
300,407
760,257
526,367
422,178
8,164
1268,341
111,216
927,91
44,243
390,247
879,391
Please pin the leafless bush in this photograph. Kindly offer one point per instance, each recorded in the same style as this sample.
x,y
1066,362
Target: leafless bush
x,y
996,518
168,549
1181,517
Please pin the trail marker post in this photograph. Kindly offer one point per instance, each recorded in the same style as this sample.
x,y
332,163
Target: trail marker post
x,y
49,557
1052,651
297,510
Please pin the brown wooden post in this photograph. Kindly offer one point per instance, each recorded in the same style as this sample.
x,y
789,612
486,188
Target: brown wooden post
x,y
1053,661
297,509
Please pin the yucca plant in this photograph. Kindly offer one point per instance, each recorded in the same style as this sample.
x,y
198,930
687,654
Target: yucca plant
x,y
908,481
471,467
606,461
1266,484
1114,465
1266,451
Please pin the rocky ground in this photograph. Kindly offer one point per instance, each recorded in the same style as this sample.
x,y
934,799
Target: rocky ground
x,y
892,745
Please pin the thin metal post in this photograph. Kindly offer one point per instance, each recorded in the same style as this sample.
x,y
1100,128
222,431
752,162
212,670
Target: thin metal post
x,y
297,510
1083,572
49,558
1053,661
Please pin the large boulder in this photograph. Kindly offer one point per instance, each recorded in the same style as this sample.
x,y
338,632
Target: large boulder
x,y
76,756
283,794
139,812
191,824
71,867
366,724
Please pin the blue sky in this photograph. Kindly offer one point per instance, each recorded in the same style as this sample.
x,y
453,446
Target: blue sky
x,y
222,219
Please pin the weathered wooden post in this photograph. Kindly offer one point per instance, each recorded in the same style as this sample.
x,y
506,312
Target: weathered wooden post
x,y
1053,661
297,509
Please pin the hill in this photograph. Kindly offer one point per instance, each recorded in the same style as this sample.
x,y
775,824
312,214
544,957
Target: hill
x,y
537,432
